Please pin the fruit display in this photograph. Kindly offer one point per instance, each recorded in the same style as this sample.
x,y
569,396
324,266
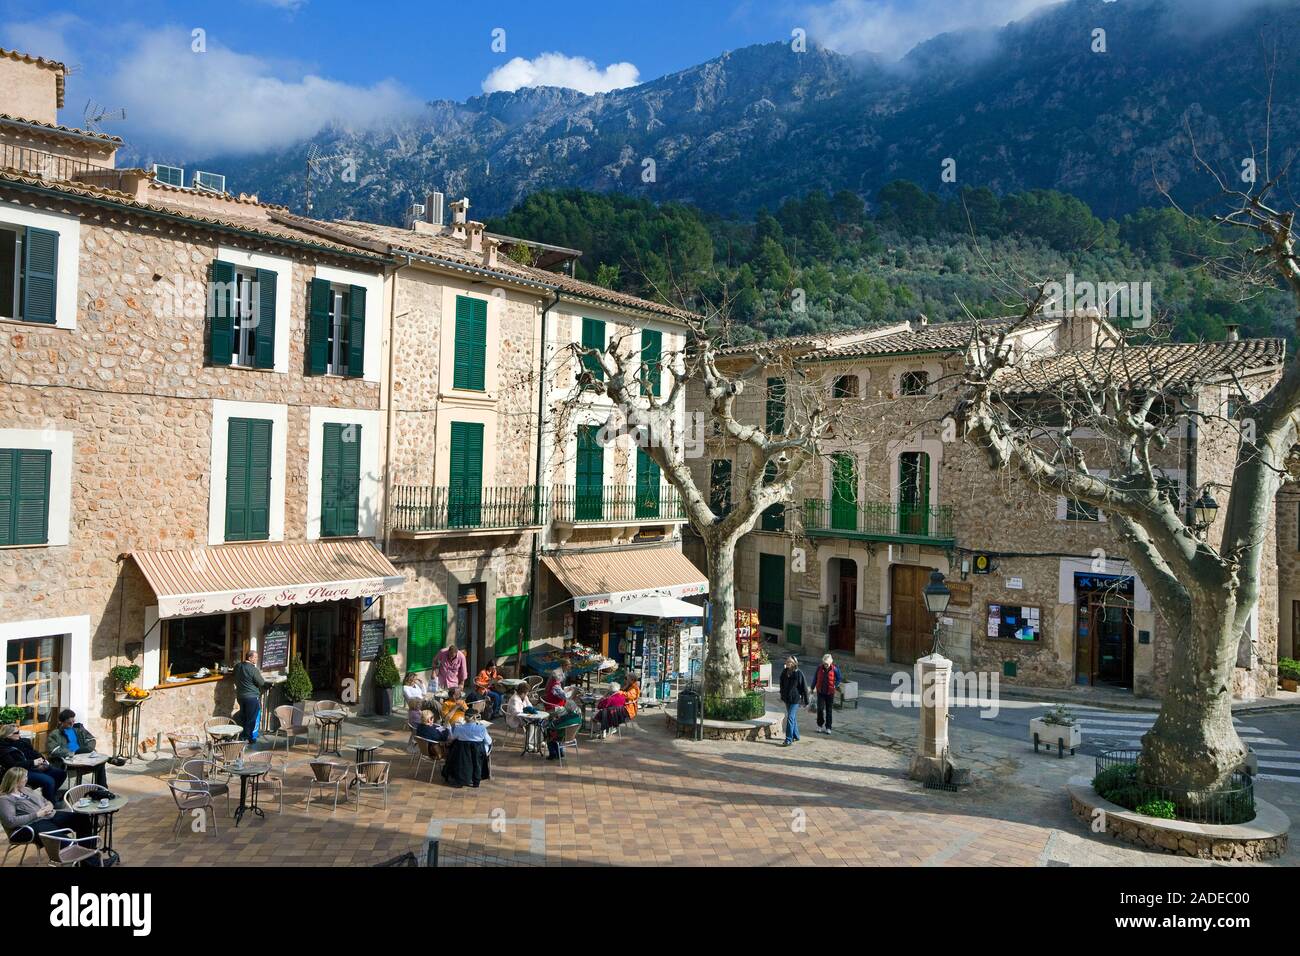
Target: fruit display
x,y
135,693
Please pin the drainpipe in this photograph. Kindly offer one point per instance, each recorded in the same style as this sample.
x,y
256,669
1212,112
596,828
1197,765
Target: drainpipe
x,y
537,467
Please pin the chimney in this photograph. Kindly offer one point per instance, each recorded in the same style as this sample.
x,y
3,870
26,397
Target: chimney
x,y
1231,332
459,213
473,237
920,322
433,205
490,247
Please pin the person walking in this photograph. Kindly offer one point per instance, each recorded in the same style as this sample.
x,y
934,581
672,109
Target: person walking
x,y
794,691
826,682
249,684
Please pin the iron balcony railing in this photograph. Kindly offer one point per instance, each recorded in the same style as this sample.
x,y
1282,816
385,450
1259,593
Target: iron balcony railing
x,y
613,503
879,521
38,162
425,508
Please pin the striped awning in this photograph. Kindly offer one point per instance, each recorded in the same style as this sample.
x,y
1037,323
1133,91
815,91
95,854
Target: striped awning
x,y
239,577
599,579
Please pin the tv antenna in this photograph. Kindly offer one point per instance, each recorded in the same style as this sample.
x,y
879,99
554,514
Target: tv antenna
x,y
95,114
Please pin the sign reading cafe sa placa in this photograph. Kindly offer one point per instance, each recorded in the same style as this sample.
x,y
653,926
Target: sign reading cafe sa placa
x,y
219,602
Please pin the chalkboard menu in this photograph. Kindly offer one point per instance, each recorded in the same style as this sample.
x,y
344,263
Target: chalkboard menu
x,y
275,647
372,638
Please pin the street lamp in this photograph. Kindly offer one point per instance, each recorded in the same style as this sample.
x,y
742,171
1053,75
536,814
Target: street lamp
x,y
936,596
1206,508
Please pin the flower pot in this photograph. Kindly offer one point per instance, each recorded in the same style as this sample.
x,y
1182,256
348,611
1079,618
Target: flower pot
x,y
1290,684
1061,736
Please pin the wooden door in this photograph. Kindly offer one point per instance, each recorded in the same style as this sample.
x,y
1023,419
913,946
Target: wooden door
x,y
844,637
911,632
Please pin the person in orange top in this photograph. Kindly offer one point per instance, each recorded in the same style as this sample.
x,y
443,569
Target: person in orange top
x,y
453,708
483,688
633,693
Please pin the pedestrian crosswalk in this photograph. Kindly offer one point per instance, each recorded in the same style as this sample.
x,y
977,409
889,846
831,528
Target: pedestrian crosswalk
x,y
1122,730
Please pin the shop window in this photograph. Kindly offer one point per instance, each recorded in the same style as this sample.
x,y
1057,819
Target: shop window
x,y
192,644
913,383
33,666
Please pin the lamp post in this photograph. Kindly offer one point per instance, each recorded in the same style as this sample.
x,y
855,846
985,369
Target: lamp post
x,y
1206,508
936,596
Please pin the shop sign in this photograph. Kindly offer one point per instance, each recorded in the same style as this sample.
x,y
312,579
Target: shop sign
x,y
222,602
596,602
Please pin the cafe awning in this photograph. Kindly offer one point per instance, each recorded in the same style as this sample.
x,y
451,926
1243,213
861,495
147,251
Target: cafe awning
x,y
599,579
239,577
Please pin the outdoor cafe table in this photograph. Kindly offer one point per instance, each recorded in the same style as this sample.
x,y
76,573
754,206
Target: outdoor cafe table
x,y
225,731
101,817
532,732
330,721
81,764
247,772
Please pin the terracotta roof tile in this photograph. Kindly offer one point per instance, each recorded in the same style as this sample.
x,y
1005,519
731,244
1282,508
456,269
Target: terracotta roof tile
x,y
56,128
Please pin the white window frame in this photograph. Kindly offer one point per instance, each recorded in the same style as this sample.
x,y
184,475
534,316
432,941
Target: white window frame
x,y
222,412
59,444
75,632
66,279
375,291
369,493
248,263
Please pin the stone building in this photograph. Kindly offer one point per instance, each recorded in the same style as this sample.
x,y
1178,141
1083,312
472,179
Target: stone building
x,y
1043,592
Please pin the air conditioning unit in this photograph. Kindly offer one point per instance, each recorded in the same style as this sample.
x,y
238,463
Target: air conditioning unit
x,y
212,182
169,175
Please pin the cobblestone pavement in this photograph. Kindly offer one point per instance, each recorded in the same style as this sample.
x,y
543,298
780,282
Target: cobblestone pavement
x,y
650,799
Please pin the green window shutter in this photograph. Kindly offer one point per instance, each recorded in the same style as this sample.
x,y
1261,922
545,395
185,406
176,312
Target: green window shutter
x,y
794,634
40,275
320,304
647,485
248,480
470,364
340,480
264,334
512,615
844,493
221,312
652,347
776,406
773,518
720,486
593,337
24,496
356,332
426,632
465,494
771,591
589,475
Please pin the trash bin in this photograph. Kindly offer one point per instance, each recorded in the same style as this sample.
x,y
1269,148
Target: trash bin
x,y
690,714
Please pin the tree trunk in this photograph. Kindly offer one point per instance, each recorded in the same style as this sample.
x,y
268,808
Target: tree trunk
x,y
722,673
1193,744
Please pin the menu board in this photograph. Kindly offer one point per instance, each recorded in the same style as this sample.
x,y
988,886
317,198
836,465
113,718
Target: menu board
x,y
1010,622
372,638
274,647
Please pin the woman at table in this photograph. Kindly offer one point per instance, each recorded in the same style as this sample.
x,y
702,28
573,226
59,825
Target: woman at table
x,y
416,696
454,708
483,688
15,752
450,667
633,693
21,807
517,706
554,695
430,729
612,709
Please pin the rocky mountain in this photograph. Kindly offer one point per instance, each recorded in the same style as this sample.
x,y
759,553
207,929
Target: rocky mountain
x,y
1034,104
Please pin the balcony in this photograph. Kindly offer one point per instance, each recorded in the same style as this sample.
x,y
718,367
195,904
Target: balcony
x,y
425,510
616,505
878,521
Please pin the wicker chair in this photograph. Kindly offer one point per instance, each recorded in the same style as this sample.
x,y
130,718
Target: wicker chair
x,y
202,771
289,731
211,722
274,776
431,751
569,738
372,776
73,794
192,795
65,848
184,747
20,838
328,776
228,751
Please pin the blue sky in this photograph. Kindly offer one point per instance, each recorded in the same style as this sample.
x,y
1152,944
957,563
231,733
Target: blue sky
x,y
273,72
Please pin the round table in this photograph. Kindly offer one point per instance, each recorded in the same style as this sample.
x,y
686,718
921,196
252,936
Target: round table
x,y
81,764
330,721
102,819
365,748
533,732
225,731
247,772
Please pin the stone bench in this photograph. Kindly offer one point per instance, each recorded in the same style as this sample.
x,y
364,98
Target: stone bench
x,y
770,723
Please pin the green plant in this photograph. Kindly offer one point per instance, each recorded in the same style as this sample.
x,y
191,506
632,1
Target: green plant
x,y
297,685
12,715
1119,784
749,707
1164,809
1060,716
124,675
1288,669
386,673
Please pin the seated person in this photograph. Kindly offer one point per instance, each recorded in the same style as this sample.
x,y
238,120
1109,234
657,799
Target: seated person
x,y
21,807
633,693
567,716
518,703
467,761
454,708
17,752
415,694
430,729
554,695
71,738
612,709
483,686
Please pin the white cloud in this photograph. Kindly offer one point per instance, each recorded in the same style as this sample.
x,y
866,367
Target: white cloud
x,y
892,27
221,101
47,38
556,69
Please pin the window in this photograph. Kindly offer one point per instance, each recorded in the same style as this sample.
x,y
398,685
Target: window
x,y
773,518
512,626
340,480
913,383
720,486
593,337
1081,511
775,412
241,316
590,474
248,480
647,485
846,386
469,369
426,632
913,492
771,591
32,666
190,644
465,494
29,265
24,496
336,329
844,493
652,347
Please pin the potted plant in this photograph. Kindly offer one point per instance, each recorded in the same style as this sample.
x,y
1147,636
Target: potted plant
x,y
124,676
10,714
297,685
386,677
1288,673
1058,726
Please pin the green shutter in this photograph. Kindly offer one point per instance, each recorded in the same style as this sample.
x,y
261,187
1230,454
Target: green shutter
x,y
318,326
512,615
470,364
771,591
590,476
794,634
593,337
720,487
652,347
264,334
773,518
465,494
776,406
844,493
647,485
340,480
356,332
24,496
40,275
248,480
426,631
221,312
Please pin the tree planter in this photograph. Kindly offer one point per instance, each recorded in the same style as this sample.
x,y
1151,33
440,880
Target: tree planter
x,y
1060,736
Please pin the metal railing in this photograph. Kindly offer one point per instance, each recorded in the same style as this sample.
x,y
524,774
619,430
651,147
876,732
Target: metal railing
x,y
1118,781
422,508
610,503
879,520
46,165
